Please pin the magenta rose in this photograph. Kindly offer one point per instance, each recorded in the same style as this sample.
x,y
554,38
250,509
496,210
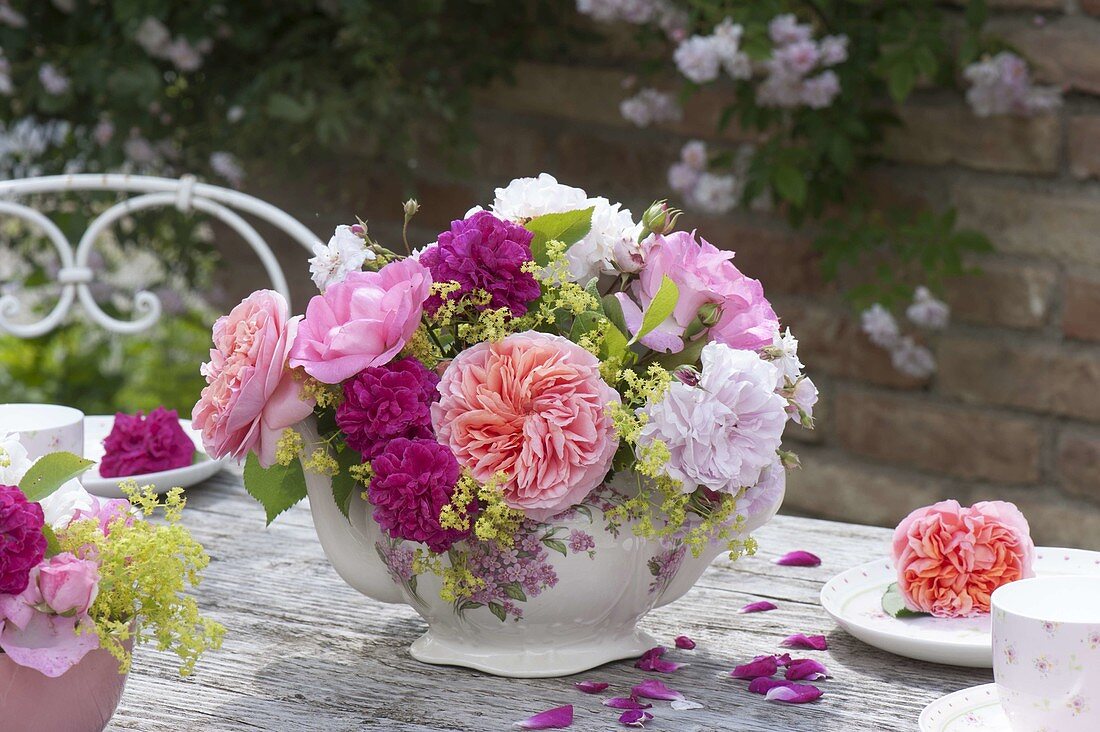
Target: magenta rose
x,y
385,402
412,481
361,322
140,444
743,318
251,397
68,585
22,544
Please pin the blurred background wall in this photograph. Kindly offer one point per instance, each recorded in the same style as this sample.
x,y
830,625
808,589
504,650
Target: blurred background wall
x,y
1013,411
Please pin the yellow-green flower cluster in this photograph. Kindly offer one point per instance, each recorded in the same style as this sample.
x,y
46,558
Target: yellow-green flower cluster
x,y
421,347
145,570
326,395
321,462
289,447
495,522
458,581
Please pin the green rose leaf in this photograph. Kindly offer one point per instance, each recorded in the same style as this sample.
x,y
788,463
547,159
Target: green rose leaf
x,y
790,183
664,302
277,488
53,546
894,604
568,227
343,485
50,473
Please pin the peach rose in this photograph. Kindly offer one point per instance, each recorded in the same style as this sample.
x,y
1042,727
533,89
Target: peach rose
x,y
250,397
531,406
949,558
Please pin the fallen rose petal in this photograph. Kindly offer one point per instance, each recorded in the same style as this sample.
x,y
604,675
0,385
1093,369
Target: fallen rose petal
x,y
591,687
557,718
799,559
761,666
651,661
758,607
681,705
654,689
625,702
793,693
806,669
635,717
763,685
783,660
685,643
807,642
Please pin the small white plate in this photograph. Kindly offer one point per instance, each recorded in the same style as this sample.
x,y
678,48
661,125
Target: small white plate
x,y
977,709
854,600
96,430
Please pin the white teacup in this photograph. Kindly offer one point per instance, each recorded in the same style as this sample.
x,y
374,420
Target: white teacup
x,y
44,428
1046,653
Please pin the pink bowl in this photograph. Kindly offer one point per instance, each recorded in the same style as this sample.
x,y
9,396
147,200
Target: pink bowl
x,y
82,700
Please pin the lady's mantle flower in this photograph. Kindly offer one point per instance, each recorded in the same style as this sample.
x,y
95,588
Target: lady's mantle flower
x,y
346,252
724,432
413,480
382,403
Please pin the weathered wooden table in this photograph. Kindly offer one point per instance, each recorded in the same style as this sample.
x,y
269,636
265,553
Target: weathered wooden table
x,y
306,652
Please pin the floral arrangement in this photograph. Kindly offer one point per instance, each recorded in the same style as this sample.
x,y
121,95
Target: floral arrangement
x,y
950,558
542,356
141,444
79,573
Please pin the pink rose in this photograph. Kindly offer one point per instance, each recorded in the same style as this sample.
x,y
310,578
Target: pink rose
x,y
743,318
250,397
42,640
532,406
950,559
140,444
361,322
105,511
69,585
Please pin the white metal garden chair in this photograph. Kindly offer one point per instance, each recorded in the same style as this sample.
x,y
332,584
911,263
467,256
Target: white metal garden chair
x,y
75,276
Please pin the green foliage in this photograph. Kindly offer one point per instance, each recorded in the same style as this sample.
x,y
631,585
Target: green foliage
x,y
894,604
662,305
344,483
300,76
568,228
50,473
277,488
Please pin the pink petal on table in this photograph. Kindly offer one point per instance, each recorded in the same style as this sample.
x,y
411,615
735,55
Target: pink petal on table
x,y
557,718
591,687
763,685
651,661
799,559
685,643
793,693
783,660
681,705
807,642
635,717
654,689
806,669
762,666
625,702
758,607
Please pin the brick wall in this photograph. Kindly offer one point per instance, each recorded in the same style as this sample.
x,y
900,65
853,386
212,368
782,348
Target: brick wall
x,y
1014,410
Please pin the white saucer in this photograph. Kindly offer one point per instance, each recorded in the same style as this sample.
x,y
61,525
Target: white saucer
x,y
977,709
854,600
96,430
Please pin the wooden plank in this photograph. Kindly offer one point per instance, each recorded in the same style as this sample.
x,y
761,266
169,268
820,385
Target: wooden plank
x,y
305,652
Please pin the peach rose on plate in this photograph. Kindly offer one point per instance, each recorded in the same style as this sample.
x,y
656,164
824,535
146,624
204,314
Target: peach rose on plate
x,y
950,558
532,406
251,397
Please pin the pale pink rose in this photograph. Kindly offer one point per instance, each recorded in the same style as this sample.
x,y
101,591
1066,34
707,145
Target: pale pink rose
x,y
251,397
950,559
69,585
532,406
361,322
40,640
705,276
104,511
